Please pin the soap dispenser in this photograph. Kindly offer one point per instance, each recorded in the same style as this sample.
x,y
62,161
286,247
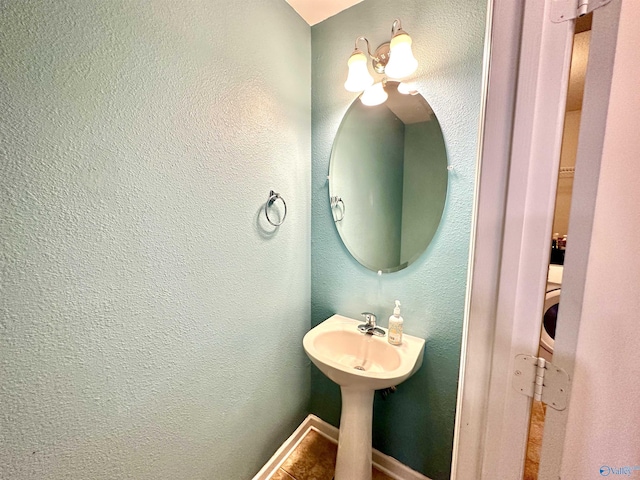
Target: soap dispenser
x,y
395,326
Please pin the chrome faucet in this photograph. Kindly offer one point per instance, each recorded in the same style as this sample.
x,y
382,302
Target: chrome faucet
x,y
369,327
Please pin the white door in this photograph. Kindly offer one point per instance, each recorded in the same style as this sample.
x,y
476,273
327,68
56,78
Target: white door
x,y
508,280
598,333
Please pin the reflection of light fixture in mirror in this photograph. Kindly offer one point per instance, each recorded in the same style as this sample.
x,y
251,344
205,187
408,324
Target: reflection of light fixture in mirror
x,y
407,88
374,95
393,59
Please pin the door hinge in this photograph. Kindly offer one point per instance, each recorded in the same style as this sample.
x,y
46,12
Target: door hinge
x,y
537,378
564,10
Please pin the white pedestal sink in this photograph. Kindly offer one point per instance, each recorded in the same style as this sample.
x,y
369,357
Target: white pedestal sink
x,y
360,364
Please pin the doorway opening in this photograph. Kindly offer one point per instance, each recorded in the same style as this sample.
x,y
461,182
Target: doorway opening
x,y
560,237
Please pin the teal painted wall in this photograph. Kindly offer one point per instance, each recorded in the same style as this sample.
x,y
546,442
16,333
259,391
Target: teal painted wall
x,y
415,425
365,171
151,319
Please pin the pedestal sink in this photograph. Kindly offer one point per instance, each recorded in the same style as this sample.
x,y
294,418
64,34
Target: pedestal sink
x,y
360,364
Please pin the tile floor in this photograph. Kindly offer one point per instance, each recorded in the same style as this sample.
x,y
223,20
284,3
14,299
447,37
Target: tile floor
x,y
314,459
536,428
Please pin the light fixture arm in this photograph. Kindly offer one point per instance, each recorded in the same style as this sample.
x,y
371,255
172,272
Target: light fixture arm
x,y
395,29
368,45
379,58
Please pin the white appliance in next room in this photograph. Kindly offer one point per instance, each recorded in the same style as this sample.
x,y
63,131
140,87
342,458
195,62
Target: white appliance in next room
x,y
550,312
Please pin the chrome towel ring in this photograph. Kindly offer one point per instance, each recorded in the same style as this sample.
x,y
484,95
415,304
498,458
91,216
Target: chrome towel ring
x,y
337,203
273,196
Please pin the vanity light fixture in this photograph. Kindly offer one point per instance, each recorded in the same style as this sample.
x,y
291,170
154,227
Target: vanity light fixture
x,y
393,59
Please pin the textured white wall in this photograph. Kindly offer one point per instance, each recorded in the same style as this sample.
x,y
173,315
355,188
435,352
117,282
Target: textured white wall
x,y
151,321
602,426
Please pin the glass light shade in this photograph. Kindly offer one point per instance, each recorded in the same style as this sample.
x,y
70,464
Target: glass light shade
x,y
374,95
402,63
359,77
407,88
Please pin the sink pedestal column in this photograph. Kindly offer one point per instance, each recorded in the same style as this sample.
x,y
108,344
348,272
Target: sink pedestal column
x,y
354,443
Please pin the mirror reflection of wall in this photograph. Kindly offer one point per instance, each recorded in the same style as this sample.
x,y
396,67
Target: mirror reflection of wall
x,y
369,181
425,186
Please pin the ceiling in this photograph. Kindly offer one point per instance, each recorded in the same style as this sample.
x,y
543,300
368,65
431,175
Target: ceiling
x,y
315,11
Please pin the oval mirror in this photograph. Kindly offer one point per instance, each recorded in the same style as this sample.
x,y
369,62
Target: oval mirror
x,y
388,180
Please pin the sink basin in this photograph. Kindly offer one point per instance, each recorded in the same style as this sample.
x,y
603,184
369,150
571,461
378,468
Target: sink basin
x,y
352,359
360,364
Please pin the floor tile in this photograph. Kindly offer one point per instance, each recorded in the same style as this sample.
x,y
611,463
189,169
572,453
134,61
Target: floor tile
x,y
534,444
281,475
313,459
536,428
531,471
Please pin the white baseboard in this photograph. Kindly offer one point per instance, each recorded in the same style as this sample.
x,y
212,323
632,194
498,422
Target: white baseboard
x,y
386,464
284,451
